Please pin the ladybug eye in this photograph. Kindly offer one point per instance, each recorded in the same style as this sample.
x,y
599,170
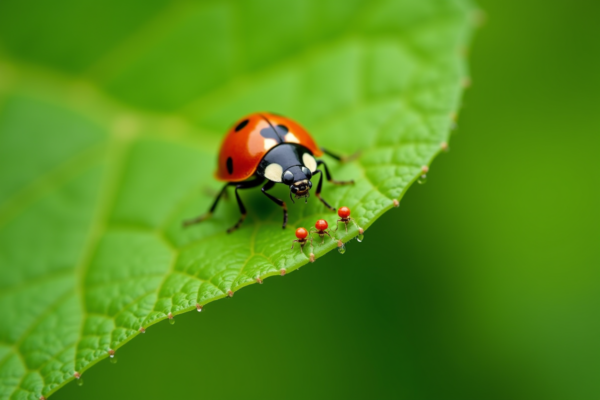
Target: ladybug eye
x,y
288,178
306,172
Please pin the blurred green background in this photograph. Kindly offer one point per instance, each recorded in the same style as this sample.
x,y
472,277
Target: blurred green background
x,y
498,259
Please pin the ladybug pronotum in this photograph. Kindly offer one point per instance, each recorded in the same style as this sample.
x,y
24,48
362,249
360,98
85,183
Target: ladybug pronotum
x,y
265,147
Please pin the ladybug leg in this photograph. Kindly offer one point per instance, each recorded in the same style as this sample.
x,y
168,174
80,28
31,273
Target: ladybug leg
x,y
319,186
207,215
243,185
339,158
277,201
328,175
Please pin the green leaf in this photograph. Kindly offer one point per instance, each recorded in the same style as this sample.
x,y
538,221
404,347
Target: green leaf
x,y
110,122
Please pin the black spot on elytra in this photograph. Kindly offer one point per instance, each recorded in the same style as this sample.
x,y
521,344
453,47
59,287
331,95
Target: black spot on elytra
x,y
282,128
241,125
276,132
230,165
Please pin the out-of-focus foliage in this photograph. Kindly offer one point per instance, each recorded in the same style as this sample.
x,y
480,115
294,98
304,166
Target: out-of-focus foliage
x,y
110,119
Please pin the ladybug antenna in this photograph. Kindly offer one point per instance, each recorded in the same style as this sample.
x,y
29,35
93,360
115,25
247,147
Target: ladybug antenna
x,y
291,198
272,127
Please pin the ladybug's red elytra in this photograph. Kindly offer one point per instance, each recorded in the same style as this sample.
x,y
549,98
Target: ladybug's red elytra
x,y
268,147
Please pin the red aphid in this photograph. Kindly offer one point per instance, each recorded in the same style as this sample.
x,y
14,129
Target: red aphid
x,y
321,225
302,235
321,229
344,213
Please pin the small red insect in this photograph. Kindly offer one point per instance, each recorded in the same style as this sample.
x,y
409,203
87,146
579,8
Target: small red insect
x,y
268,147
344,213
301,234
321,226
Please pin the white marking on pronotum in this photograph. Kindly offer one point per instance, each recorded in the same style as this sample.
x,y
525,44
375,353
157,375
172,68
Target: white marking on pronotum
x,y
309,162
290,137
269,143
273,172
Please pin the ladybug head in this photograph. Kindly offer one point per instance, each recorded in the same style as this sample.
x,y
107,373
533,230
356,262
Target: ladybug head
x,y
298,179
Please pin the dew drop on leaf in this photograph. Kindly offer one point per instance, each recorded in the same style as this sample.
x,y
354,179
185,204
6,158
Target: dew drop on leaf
x,y
360,238
422,179
342,249
80,382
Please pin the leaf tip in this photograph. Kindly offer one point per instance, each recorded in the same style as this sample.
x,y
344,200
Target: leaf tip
x,y
111,353
198,307
259,280
445,147
142,329
396,203
230,293
282,271
77,375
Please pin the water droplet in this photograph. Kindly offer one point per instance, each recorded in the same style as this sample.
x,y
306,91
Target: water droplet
x,y
360,238
198,307
422,179
342,249
80,382
113,359
172,321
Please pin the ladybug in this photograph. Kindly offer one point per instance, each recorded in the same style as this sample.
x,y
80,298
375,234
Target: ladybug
x,y
266,147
